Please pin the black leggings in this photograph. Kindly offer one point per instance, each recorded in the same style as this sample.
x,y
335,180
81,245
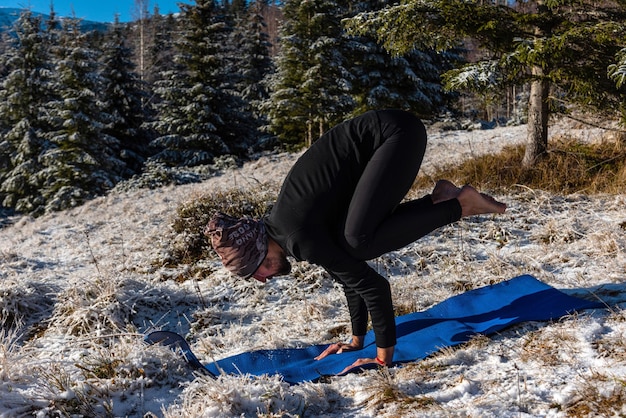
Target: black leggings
x,y
377,220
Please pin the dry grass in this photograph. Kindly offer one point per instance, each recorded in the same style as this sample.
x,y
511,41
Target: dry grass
x,y
23,304
384,388
10,355
569,167
192,217
267,396
89,387
600,395
94,317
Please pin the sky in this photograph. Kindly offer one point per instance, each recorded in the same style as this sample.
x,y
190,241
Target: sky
x,y
95,10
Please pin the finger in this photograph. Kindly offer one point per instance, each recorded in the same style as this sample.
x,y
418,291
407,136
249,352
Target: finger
x,y
360,362
331,349
350,367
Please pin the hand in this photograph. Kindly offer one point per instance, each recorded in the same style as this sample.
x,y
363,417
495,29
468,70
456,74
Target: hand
x,y
338,348
362,362
384,358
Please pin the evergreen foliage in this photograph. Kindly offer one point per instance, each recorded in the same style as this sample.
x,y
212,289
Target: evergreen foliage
x,y
80,161
310,90
76,117
382,80
23,93
161,47
563,49
198,116
325,75
251,52
123,95
617,71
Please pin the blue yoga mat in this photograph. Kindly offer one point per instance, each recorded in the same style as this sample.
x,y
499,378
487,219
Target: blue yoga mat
x,y
454,321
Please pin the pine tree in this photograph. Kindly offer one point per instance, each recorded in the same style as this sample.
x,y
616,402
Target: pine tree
x,y
22,95
160,47
159,64
411,82
617,71
311,89
252,59
560,48
123,95
382,80
326,75
249,63
197,115
80,162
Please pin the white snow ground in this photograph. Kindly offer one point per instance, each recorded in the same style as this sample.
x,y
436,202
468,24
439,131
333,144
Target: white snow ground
x,y
78,289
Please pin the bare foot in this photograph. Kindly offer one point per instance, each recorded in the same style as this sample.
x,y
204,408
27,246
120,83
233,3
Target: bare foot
x,y
475,203
444,190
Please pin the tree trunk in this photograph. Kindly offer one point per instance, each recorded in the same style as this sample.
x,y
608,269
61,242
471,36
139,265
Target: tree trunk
x,y
140,14
537,128
309,133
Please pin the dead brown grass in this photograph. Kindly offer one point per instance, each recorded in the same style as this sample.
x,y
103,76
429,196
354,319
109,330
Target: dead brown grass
x,y
595,399
192,217
570,166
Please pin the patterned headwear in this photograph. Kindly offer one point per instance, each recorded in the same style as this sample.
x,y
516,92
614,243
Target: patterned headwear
x,y
240,243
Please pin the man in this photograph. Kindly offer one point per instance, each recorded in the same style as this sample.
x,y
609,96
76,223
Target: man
x,y
341,205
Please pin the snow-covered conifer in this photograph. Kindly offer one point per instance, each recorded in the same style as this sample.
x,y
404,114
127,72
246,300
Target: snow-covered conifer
x,y
122,96
23,92
311,88
80,161
198,115
250,43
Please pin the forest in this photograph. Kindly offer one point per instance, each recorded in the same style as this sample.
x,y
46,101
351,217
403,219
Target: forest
x,y
174,98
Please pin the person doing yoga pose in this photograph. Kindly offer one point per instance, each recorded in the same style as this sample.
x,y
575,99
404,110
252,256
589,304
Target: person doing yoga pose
x,y
341,205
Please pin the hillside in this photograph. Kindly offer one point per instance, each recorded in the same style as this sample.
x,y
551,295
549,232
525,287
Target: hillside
x,y
9,15
80,288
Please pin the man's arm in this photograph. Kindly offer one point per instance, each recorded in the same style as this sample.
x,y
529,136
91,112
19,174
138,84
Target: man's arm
x,y
375,292
356,307
370,284
366,291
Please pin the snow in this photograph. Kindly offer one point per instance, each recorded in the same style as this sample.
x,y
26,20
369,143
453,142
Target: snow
x,y
80,288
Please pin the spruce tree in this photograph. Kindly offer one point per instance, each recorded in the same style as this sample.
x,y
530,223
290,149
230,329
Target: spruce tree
x,y
197,116
23,94
617,72
249,63
311,88
325,75
383,80
411,82
80,162
562,49
160,47
252,59
123,94
158,66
